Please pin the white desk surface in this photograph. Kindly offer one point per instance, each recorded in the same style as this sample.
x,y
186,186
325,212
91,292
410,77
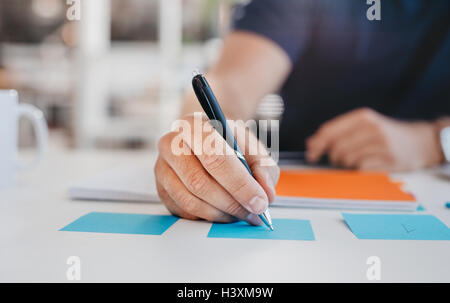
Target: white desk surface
x,y
37,206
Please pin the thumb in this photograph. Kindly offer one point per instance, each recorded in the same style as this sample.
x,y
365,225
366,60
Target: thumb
x,y
264,169
267,177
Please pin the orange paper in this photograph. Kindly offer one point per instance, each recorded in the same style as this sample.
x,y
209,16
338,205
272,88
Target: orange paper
x,y
334,184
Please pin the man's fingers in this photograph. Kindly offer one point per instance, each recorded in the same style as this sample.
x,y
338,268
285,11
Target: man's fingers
x,y
356,157
187,201
265,177
373,163
223,165
165,198
234,177
171,205
198,181
265,170
350,144
333,130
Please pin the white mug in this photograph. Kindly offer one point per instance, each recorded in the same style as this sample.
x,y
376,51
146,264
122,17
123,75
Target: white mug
x,y
10,112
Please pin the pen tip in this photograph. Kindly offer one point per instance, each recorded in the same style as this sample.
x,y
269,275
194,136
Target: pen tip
x,y
271,227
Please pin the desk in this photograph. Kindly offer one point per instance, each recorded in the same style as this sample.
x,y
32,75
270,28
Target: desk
x,y
33,250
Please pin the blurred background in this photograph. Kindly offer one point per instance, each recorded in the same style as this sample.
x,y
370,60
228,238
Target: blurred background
x,y
115,77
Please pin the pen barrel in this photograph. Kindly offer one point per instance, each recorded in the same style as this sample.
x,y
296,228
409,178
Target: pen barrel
x,y
242,159
212,109
214,112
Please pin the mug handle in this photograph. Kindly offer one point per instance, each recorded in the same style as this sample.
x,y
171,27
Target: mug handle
x,y
37,119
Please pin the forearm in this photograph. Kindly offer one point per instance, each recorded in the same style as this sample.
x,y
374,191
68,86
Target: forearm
x,y
430,132
431,143
3,81
438,126
249,68
8,78
442,123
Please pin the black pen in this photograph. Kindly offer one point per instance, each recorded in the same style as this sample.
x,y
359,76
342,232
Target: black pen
x,y
212,109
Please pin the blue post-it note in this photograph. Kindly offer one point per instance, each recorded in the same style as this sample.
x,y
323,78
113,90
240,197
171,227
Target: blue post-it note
x,y
420,208
284,229
118,223
397,227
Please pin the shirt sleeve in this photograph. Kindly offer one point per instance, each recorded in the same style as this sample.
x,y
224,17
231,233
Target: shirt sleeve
x,y
1,34
289,23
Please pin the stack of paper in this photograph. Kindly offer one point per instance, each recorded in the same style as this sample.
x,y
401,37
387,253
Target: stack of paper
x,y
296,188
123,183
342,189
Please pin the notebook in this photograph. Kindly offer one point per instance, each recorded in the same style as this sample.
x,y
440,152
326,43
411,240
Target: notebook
x,y
342,189
296,188
134,183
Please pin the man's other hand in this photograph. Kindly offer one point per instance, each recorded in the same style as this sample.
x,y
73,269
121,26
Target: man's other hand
x,y
366,140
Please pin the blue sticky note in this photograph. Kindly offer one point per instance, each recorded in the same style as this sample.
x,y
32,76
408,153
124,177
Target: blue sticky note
x,y
420,208
285,229
397,227
118,223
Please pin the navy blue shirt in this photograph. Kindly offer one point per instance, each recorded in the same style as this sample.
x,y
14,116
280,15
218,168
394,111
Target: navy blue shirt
x,y
399,66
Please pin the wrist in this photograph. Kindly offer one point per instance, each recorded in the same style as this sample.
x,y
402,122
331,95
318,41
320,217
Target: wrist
x,y
430,143
438,126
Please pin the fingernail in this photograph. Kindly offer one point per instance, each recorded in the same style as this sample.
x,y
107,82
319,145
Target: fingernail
x,y
253,219
257,205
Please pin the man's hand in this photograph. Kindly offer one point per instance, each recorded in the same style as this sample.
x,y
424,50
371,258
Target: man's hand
x,y
367,140
211,186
